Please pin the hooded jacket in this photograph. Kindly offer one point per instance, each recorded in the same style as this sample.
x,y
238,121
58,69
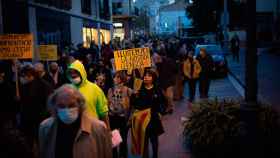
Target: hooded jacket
x,y
96,102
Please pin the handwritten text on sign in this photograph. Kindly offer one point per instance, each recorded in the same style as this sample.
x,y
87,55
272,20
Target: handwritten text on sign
x,y
18,46
132,58
47,52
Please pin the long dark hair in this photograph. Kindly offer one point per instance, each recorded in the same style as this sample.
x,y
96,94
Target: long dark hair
x,y
151,72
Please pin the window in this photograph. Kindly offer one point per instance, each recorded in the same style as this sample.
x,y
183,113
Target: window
x,y
104,9
86,6
117,8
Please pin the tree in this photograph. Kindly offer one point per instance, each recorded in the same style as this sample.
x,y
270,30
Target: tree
x,y
205,14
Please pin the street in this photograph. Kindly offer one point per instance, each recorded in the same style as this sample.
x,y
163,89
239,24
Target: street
x,y
171,142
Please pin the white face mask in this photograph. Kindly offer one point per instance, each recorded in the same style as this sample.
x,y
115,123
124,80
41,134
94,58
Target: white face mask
x,y
76,80
68,115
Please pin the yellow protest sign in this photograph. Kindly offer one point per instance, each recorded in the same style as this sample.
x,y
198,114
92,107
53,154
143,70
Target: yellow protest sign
x,y
47,52
16,46
130,59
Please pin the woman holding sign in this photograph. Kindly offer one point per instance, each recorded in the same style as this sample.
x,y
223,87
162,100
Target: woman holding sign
x,y
146,123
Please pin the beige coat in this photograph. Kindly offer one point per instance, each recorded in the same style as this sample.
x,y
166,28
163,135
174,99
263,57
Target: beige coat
x,y
93,139
187,69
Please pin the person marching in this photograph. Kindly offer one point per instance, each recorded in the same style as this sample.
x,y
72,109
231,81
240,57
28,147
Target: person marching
x,y
146,122
119,110
192,69
96,101
70,132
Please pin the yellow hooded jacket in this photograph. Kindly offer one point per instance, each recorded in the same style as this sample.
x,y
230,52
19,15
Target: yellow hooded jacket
x,y
96,102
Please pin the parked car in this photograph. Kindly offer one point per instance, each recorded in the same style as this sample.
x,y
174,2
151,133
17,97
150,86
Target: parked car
x,y
219,57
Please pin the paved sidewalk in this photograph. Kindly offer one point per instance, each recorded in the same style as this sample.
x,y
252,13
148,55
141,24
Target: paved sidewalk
x,y
171,142
268,76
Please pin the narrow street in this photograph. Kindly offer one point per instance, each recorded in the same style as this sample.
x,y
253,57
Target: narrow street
x,y
171,142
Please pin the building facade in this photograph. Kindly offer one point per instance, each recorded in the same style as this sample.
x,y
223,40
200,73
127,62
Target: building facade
x,y
173,18
60,22
124,13
268,20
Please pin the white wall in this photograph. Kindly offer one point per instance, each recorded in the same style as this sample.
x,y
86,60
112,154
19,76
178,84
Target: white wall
x,y
76,26
171,19
32,23
76,7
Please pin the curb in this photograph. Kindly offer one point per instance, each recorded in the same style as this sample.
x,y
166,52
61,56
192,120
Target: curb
x,y
240,87
237,79
237,84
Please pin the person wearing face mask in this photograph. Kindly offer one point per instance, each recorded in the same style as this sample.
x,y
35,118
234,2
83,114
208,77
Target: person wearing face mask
x,y
57,77
96,101
34,92
70,132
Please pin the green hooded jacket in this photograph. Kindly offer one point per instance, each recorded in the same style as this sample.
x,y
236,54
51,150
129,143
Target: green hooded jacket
x,y
96,102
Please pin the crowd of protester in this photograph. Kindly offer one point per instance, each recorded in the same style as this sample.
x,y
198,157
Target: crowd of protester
x,y
77,100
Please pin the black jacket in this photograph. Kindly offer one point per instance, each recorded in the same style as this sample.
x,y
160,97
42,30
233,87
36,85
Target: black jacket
x,y
167,72
153,99
207,65
8,103
33,101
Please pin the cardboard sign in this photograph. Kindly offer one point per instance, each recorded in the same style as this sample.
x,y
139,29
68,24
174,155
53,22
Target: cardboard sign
x,y
130,59
16,46
47,52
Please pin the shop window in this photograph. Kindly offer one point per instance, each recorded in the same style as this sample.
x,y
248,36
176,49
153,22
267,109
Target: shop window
x,y
89,35
105,36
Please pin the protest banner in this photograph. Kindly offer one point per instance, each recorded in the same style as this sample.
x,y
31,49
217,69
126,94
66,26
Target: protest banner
x,y
130,59
16,46
47,53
